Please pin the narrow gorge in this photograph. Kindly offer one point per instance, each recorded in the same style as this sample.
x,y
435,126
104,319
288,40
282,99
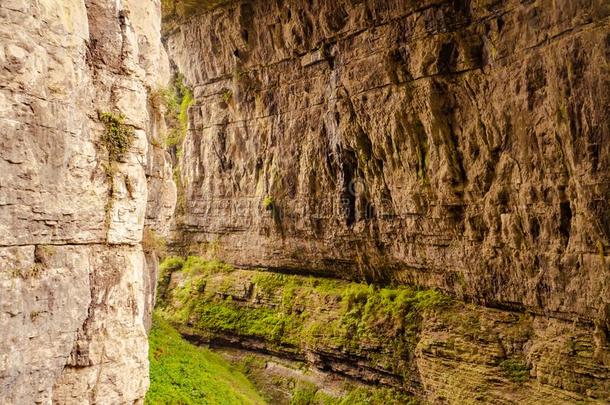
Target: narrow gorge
x,y
343,202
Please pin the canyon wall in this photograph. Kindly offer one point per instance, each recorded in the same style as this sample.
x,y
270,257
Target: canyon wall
x,y
75,287
456,145
461,145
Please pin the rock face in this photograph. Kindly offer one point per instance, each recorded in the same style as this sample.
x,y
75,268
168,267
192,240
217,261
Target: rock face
x,y
72,271
453,144
462,145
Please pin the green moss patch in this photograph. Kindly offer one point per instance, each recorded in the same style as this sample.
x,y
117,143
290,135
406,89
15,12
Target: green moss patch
x,y
118,137
516,370
177,98
295,312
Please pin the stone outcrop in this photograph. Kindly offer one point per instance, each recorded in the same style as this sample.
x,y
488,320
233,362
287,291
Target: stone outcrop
x,y
73,278
461,145
453,144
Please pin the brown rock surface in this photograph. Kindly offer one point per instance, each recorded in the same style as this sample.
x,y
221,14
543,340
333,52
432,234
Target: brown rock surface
x,y
461,145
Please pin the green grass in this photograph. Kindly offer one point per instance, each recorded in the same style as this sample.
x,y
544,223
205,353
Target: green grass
x,y
181,373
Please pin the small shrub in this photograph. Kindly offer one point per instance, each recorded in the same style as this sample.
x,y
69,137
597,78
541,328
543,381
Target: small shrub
x,y
177,99
227,95
428,299
303,394
187,101
515,370
268,203
118,136
171,264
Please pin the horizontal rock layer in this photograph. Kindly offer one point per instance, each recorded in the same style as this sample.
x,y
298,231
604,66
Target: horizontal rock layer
x,y
418,341
453,144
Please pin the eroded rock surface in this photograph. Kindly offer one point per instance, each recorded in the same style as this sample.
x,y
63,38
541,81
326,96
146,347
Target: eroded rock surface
x,y
461,145
420,342
72,271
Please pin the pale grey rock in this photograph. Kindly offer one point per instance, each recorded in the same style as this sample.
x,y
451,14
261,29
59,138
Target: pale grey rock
x,y
74,288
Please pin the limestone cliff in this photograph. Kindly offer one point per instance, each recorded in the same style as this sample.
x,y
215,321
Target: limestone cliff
x,y
453,144
76,152
461,145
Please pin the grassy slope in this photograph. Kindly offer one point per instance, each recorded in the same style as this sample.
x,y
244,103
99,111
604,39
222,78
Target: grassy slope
x,y
181,373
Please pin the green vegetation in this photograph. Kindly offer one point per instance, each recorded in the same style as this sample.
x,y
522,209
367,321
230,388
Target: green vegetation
x,y
268,202
227,96
275,386
372,396
515,370
118,137
308,394
177,98
292,312
181,373
304,394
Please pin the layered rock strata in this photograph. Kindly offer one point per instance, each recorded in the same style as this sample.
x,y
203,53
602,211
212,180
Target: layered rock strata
x,y
416,341
459,145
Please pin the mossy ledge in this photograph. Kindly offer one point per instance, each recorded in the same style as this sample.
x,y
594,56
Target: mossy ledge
x,y
298,317
398,337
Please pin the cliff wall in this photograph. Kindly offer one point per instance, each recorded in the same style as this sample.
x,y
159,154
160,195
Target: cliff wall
x,y
456,145
453,144
76,135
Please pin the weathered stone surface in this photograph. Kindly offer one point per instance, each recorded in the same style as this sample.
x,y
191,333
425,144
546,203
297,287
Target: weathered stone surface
x,y
72,273
461,145
109,360
42,306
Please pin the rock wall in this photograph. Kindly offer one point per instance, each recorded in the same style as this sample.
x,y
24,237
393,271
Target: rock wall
x,y
462,145
73,277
